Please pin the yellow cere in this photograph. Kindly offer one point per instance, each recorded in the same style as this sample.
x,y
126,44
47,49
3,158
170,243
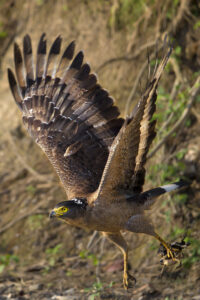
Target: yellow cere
x,y
60,210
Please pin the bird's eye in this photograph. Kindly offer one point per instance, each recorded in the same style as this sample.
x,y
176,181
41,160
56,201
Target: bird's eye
x,y
64,209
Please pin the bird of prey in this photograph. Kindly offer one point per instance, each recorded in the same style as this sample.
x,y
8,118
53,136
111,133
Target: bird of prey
x,y
99,156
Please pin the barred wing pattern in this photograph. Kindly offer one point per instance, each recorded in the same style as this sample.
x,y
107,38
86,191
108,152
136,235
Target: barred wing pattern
x,y
66,111
124,172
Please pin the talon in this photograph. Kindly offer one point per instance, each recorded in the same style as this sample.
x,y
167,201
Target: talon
x,y
171,257
173,254
126,280
170,253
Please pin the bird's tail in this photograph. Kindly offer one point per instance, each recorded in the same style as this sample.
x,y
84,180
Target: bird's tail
x,y
147,198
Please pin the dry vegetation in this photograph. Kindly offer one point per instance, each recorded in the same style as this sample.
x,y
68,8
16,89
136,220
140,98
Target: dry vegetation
x,y
49,260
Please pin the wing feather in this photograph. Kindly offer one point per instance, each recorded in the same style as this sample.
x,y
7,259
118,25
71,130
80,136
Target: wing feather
x,y
41,59
19,68
51,64
124,171
65,59
66,112
15,89
28,60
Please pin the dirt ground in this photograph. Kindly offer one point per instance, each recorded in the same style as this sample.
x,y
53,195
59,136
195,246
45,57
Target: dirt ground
x,y
41,259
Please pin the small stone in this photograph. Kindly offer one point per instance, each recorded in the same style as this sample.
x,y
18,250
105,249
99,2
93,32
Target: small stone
x,y
67,297
34,287
69,291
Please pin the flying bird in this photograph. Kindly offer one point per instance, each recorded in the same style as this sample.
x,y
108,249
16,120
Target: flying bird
x,y
99,156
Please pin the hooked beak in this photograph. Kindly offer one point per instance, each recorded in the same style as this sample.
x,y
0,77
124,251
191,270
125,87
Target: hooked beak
x,y
52,214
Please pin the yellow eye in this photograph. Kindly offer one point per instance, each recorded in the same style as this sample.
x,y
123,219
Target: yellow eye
x,y
64,209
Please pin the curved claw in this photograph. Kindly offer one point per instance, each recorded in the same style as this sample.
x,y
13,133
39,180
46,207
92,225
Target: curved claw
x,y
126,280
173,253
170,253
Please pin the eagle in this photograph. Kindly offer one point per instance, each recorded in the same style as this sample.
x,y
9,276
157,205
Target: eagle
x,y
99,156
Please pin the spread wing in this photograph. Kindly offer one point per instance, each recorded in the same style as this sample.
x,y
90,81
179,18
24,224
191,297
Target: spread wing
x,y
124,172
66,112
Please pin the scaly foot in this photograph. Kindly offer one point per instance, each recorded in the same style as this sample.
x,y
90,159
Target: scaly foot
x,y
171,254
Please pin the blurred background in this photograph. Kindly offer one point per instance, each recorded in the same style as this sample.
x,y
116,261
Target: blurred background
x,y
40,259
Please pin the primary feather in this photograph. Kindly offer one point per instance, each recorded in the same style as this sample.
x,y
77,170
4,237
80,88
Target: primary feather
x,y
66,111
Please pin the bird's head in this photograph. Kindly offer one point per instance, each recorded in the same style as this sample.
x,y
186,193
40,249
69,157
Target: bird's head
x,y
69,209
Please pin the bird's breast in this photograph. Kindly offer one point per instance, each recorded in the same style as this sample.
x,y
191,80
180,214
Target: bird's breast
x,y
111,218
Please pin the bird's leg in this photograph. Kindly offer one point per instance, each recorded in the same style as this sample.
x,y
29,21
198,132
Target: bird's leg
x,y
171,252
141,224
127,277
119,241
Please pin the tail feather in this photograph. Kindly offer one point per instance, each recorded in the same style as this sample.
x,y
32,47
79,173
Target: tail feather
x,y
147,198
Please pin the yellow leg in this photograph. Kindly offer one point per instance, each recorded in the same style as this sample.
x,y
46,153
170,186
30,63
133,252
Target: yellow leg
x,y
127,276
119,241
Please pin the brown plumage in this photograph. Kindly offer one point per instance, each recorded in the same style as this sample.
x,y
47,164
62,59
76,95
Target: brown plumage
x,y
71,117
98,156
